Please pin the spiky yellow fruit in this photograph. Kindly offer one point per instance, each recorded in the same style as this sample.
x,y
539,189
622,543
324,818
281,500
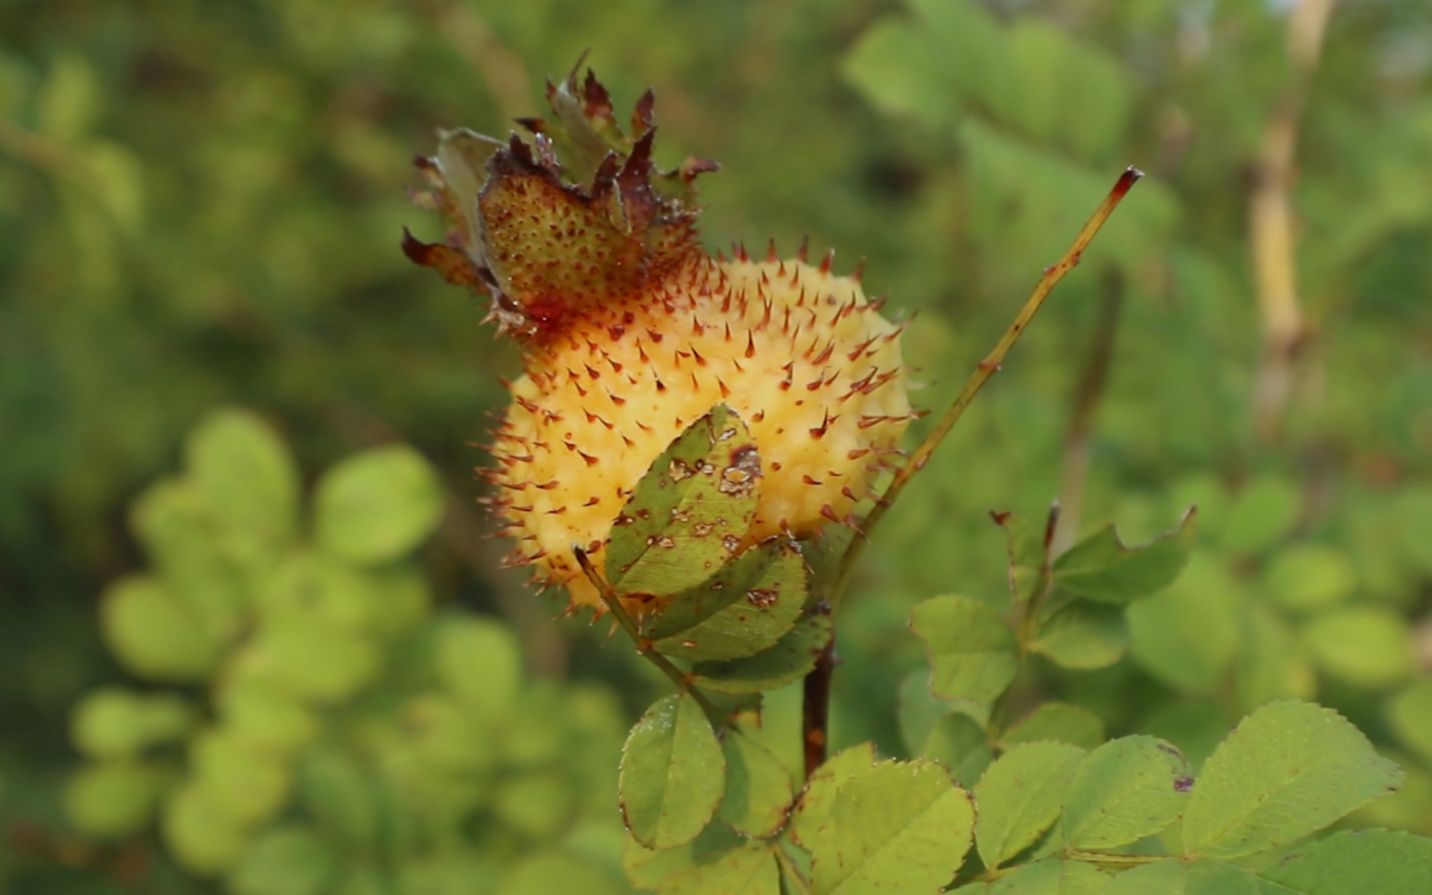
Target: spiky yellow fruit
x,y
631,333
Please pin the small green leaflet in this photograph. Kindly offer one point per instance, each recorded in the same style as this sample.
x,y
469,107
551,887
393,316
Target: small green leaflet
x,y
897,827
672,774
1103,569
1057,721
791,658
689,514
971,649
758,787
377,506
1357,862
1287,770
1121,792
818,798
1081,635
1051,877
1197,878
749,605
1019,797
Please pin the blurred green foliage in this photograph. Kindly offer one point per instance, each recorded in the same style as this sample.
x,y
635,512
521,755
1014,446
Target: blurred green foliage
x,y
201,205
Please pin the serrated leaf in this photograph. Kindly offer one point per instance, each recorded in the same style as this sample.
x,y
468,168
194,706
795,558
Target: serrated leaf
x,y
1357,862
672,774
1287,770
1050,877
689,514
1365,645
1019,797
971,649
1122,791
789,659
896,827
1081,635
746,607
1057,721
246,477
1102,568
378,505
758,787
818,797
961,745
1410,714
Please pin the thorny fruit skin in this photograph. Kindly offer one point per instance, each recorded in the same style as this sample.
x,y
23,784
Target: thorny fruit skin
x,y
631,333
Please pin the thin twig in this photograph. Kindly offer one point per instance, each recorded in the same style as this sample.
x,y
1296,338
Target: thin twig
x,y
815,709
982,373
643,643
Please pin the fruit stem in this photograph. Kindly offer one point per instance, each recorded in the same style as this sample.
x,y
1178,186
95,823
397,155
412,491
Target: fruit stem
x,y
643,643
816,705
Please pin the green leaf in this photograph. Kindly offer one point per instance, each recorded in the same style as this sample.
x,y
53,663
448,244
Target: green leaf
x,y
790,659
246,477
1272,665
478,661
1058,721
155,634
1197,878
961,744
758,787
971,649
199,836
1357,862
654,869
1121,792
112,799
896,827
1262,515
1101,568
1027,555
1410,715
312,660
1082,635
818,798
341,794
1309,577
242,783
1047,878
672,774
115,723
1019,797
287,860
1287,770
747,607
1365,645
750,868
378,505
1187,636
265,716
689,514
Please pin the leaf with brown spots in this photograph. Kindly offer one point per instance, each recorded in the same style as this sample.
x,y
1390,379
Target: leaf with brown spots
x,y
689,514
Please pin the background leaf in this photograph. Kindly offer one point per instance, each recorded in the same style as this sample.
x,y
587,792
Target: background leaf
x,y
378,505
971,649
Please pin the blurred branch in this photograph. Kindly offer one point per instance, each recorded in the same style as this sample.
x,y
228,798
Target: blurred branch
x,y
1272,224
1088,393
